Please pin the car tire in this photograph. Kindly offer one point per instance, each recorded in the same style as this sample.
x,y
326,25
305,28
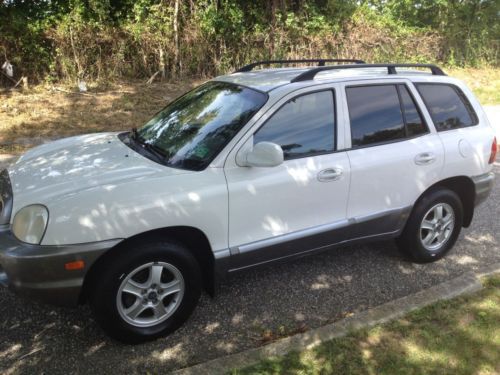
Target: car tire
x,y
433,226
145,291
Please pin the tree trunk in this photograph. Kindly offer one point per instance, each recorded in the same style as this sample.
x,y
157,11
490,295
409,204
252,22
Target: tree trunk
x,y
161,56
176,37
75,55
274,6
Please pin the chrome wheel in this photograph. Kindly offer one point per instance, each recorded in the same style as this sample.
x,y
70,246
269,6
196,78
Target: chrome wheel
x,y
150,294
437,226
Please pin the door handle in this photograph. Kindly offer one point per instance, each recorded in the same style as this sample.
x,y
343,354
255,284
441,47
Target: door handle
x,y
330,174
425,158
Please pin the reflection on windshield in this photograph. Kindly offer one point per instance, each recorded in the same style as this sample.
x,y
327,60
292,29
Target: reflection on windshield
x,y
192,130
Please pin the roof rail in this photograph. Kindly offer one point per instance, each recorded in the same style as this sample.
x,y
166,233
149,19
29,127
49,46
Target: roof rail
x,y
321,62
391,69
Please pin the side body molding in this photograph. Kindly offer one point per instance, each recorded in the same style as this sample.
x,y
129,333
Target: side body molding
x,y
387,224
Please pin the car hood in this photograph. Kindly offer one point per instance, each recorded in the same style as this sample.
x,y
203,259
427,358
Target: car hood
x,y
78,163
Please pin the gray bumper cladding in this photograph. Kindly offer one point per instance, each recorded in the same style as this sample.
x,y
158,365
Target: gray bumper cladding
x,y
483,184
39,272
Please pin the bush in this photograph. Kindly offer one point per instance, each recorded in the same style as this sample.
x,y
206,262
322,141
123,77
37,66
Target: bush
x,y
108,39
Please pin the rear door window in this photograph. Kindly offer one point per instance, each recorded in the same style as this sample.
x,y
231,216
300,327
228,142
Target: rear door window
x,y
447,105
375,115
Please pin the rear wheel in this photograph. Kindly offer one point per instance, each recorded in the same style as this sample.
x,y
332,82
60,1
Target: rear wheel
x,y
146,292
433,227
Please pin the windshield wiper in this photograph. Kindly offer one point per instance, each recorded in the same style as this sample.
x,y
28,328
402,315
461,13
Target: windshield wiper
x,y
134,134
153,149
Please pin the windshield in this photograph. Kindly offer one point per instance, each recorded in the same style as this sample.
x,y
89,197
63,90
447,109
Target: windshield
x,y
191,131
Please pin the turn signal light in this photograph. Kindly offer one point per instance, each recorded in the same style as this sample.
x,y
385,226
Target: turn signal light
x,y
76,265
494,150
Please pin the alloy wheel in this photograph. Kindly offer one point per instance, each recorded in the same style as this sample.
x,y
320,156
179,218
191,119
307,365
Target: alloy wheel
x,y
150,294
437,226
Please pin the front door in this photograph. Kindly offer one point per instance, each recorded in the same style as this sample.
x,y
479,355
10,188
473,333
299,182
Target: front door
x,y
297,206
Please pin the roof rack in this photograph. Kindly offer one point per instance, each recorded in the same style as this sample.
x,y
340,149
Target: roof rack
x,y
321,63
391,69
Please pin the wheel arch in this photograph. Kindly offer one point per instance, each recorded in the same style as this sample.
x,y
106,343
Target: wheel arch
x,y
193,238
464,187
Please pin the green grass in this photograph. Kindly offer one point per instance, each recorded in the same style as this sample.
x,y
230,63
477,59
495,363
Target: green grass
x,y
460,336
484,82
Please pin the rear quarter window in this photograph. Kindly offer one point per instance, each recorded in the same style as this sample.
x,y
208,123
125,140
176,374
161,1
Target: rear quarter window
x,y
448,106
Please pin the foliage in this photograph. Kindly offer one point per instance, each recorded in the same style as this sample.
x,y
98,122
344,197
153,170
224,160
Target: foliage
x,y
105,39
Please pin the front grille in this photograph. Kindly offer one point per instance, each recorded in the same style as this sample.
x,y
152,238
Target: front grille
x,y
5,197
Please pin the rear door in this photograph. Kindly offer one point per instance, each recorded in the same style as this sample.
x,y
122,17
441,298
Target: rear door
x,y
394,155
467,138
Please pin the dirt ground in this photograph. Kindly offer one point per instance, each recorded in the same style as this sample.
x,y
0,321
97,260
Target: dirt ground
x,y
54,112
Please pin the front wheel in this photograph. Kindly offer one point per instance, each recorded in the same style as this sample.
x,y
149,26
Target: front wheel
x,y
433,226
146,292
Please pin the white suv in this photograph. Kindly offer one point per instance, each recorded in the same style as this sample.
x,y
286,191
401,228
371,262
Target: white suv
x,y
248,168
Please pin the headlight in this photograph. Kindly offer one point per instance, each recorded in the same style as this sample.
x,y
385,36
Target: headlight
x,y
30,222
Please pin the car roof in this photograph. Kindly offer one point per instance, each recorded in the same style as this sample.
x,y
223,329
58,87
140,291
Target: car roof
x,y
269,79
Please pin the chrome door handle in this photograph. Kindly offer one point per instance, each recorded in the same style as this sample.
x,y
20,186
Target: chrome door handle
x,y
330,174
425,158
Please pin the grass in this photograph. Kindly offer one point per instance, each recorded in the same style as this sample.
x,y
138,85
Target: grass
x,y
55,112
460,336
485,83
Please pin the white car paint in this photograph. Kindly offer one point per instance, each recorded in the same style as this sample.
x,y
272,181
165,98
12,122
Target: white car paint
x,y
493,115
96,188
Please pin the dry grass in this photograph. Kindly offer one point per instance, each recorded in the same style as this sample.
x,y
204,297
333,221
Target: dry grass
x,y
48,112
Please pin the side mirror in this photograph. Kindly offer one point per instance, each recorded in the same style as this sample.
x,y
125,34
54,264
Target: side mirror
x,y
264,154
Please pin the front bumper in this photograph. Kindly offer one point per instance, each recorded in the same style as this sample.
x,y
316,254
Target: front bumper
x,y
483,185
39,272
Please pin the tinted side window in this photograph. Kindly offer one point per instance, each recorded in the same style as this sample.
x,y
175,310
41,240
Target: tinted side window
x,y
302,127
415,125
375,114
448,106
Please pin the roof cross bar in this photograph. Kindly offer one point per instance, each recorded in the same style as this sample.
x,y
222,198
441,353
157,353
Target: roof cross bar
x,y
391,69
321,62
